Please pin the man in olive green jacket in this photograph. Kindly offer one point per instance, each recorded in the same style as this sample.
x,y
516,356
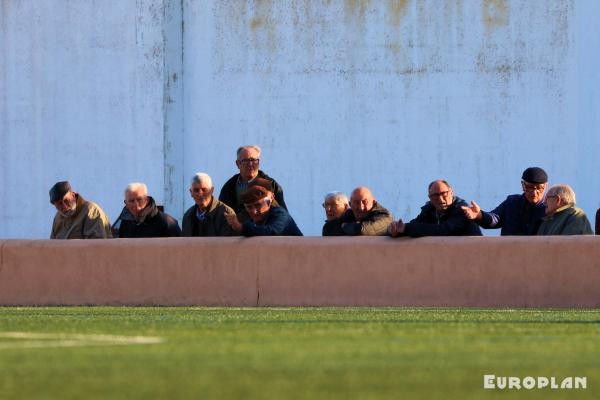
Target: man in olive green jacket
x,y
76,218
562,217
365,217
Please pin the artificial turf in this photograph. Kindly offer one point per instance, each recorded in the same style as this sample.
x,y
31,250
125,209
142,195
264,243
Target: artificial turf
x,y
299,353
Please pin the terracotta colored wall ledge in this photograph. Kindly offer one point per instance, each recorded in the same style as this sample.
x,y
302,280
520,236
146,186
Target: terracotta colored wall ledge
x,y
306,271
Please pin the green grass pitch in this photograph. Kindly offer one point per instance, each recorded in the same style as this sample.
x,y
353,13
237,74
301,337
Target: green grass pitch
x,y
292,353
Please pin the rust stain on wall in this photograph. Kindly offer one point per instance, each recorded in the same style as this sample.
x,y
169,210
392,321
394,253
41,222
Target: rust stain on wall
x,y
495,13
396,10
356,9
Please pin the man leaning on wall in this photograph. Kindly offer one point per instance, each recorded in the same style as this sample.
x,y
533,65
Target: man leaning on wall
x,y
562,217
366,217
76,218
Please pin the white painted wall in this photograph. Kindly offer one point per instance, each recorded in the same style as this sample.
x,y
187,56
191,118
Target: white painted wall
x,y
390,94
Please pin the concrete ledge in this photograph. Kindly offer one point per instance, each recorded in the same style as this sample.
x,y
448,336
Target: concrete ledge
x,y
306,271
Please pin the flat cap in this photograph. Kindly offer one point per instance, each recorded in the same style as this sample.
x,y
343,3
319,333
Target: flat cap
x,y
535,175
266,183
253,194
58,191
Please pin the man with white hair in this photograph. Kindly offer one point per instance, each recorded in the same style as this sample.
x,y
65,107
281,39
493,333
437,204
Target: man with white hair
x,y
248,159
335,205
207,216
562,217
141,216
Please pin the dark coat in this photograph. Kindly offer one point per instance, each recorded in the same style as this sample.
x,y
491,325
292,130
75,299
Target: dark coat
x,y
515,215
334,227
213,224
154,223
452,223
375,223
278,223
568,220
228,193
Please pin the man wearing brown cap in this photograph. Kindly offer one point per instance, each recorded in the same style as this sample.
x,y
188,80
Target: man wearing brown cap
x,y
518,214
266,219
76,218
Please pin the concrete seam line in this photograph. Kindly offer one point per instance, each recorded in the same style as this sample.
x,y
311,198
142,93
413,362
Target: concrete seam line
x,y
2,256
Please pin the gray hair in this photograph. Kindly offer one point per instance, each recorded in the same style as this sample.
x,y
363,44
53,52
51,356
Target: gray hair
x,y
564,192
134,186
200,177
339,197
242,148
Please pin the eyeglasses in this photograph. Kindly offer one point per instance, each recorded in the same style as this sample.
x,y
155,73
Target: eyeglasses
x,y
529,187
140,200
330,205
247,161
439,194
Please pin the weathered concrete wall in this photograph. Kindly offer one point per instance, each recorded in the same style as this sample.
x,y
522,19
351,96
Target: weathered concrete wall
x,y
339,93
461,272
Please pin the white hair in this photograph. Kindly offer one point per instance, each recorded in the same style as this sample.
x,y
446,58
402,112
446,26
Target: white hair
x,y
564,192
134,186
201,177
339,197
242,148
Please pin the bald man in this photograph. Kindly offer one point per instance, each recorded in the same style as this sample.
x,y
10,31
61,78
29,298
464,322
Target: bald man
x,y
365,217
442,215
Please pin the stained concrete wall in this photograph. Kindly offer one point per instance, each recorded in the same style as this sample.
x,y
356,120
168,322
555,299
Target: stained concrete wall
x,y
389,94
373,271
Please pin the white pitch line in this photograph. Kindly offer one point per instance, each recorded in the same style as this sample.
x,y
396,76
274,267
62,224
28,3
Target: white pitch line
x,y
41,340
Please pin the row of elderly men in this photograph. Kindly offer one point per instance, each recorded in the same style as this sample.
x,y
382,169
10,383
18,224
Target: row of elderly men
x,y
258,201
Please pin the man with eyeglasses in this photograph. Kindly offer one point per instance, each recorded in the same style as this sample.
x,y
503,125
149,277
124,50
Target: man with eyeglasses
x,y
265,218
518,214
141,217
248,159
207,216
335,205
562,217
366,217
440,216
76,218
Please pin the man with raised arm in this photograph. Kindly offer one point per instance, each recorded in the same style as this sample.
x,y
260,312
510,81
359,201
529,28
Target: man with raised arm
x,y
442,215
248,159
519,214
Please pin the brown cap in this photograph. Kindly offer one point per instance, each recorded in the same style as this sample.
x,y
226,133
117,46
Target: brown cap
x,y
266,183
253,194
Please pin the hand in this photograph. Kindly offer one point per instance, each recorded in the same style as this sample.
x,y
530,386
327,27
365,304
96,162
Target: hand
x,y
233,222
473,212
396,228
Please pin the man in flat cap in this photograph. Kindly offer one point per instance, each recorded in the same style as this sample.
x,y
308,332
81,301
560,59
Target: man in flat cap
x,y
248,159
519,214
266,219
76,218
442,215
366,217
207,216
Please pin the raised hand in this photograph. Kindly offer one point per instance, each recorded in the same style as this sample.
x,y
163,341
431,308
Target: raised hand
x,y
473,212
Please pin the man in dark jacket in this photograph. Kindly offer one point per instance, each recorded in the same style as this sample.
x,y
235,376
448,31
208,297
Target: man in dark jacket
x,y
207,216
518,214
142,218
440,216
335,205
562,217
248,159
365,217
265,219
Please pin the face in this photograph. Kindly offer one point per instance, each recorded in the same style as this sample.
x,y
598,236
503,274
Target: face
x,y
361,202
552,204
258,210
247,163
534,193
334,208
136,201
66,206
202,194
441,196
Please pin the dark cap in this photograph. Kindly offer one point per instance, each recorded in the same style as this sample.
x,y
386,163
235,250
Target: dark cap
x,y
266,183
58,191
535,175
253,194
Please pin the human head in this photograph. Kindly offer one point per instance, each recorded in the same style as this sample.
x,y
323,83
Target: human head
x,y
559,196
335,204
248,158
202,189
534,182
257,203
267,184
136,197
361,202
440,195
63,198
